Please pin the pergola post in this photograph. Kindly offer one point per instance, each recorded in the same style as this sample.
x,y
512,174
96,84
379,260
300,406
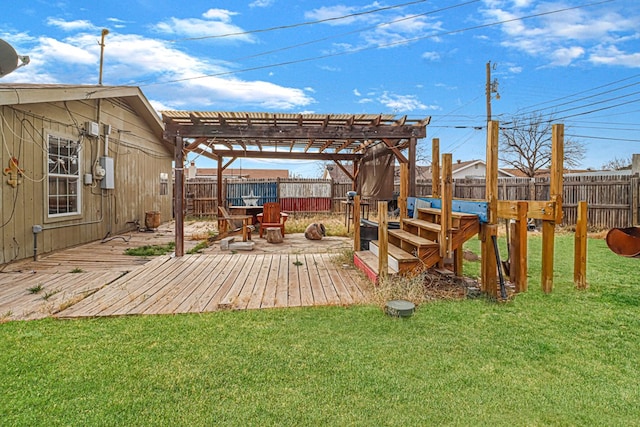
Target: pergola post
x,y
435,168
179,196
413,143
404,189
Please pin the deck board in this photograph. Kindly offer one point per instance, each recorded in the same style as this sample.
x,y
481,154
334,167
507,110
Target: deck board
x,y
282,288
306,292
294,283
315,280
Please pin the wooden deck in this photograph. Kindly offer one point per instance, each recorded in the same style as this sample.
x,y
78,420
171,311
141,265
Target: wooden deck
x,y
97,279
204,283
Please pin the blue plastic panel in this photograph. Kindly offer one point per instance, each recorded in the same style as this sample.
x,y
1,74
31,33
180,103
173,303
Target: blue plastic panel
x,y
467,206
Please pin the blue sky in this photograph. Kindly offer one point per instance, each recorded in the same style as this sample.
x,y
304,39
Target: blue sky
x,y
577,60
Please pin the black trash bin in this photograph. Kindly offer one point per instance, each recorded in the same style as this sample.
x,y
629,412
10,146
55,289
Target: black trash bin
x,y
369,232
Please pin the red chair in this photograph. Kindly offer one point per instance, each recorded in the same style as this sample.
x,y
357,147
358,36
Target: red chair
x,y
272,217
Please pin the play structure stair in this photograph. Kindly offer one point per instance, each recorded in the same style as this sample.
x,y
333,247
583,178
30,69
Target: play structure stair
x,y
416,244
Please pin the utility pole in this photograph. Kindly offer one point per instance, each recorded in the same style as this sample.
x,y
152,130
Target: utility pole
x,y
491,87
104,34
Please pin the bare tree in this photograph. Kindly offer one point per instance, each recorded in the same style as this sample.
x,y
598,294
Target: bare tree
x,y
526,144
617,164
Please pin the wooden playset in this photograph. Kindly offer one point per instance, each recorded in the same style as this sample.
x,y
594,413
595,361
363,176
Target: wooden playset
x,y
432,230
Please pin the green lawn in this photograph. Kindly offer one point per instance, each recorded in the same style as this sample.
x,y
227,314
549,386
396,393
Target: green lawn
x,y
568,358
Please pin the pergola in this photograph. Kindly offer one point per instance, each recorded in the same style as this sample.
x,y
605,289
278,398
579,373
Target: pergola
x,y
227,136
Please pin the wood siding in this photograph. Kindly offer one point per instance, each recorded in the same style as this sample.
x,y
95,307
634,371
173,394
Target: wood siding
x,y
139,159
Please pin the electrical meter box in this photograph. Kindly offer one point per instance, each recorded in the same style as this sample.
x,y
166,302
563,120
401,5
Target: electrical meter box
x,y
108,182
92,128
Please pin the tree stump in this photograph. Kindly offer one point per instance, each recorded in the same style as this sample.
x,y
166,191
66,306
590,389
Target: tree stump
x,y
274,235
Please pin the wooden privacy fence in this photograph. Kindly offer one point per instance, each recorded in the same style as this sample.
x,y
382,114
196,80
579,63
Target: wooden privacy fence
x,y
613,200
294,195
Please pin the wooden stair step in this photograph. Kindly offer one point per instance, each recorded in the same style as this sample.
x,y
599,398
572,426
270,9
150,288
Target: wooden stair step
x,y
454,214
417,241
427,225
398,259
368,263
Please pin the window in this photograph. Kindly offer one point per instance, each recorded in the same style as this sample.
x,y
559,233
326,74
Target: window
x,y
164,183
64,177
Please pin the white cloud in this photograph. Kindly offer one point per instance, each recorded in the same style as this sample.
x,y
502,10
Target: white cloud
x,y
564,37
222,15
331,69
431,56
566,56
356,92
386,28
52,50
256,93
216,22
261,3
401,103
398,32
611,55
445,86
137,60
334,12
70,25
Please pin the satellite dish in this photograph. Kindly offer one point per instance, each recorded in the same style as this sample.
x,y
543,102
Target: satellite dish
x,y
9,59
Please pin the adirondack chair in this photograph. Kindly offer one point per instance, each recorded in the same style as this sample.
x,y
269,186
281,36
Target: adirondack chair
x,y
228,224
271,217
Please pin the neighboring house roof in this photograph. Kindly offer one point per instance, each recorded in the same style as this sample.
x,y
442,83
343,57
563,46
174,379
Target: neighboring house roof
x,y
466,168
242,173
336,174
24,94
459,169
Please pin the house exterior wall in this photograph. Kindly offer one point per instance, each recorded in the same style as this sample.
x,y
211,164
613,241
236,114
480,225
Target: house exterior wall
x,y
138,157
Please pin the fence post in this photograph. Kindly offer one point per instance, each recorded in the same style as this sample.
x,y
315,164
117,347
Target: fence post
x,y
634,201
580,249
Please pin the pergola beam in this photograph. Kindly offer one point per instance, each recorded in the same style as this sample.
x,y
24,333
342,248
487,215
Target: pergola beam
x,y
276,132
285,155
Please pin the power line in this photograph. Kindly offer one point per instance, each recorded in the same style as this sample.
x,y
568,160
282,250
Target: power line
x,y
604,138
384,24
587,97
397,43
301,24
580,93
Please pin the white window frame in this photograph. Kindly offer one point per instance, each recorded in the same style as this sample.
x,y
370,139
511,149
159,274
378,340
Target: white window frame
x,y
63,167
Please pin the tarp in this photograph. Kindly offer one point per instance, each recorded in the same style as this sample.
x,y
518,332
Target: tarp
x,y
375,174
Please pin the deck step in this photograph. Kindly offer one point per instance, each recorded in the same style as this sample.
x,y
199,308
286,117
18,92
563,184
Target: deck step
x,y
417,241
454,214
368,263
426,225
398,259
